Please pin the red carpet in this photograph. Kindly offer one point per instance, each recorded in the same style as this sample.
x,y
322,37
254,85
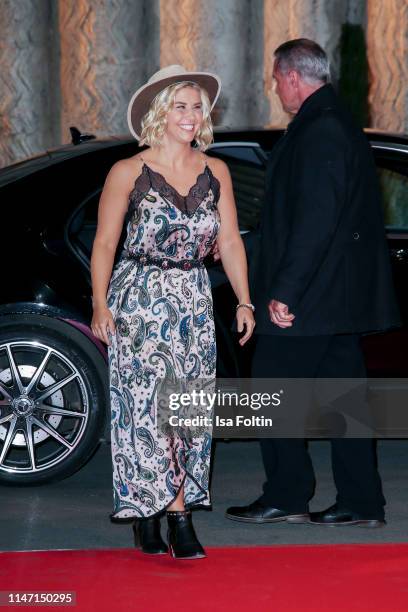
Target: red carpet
x,y
346,578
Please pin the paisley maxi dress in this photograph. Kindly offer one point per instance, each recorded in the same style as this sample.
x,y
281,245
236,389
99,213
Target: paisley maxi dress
x,y
161,302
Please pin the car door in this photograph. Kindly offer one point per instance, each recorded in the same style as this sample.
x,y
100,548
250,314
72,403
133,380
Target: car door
x,y
246,162
386,353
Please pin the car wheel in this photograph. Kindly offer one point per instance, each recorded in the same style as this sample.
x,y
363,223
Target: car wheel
x,y
53,399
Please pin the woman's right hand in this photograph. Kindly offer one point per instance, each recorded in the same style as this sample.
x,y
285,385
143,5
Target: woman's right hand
x,y
102,323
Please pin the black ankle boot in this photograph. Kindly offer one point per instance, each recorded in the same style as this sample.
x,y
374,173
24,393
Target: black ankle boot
x,y
148,537
183,542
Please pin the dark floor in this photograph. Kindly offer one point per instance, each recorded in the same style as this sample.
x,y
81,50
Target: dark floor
x,y
74,513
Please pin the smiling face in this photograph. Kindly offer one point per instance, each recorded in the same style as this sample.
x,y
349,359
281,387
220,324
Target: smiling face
x,y
185,117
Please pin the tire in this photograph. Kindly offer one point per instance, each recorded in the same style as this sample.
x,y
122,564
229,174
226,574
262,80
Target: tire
x,y
51,425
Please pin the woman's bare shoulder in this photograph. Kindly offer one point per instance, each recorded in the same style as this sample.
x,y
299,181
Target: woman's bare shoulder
x,y
126,169
218,167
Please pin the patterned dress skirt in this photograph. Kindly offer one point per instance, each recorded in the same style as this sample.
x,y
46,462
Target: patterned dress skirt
x,y
161,302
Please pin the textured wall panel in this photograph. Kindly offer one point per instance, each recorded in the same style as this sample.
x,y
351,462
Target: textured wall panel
x,y
24,101
387,41
276,31
107,46
225,37
77,62
318,20
357,12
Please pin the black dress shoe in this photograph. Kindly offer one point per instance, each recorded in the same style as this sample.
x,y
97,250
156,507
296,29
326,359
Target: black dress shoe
x,y
183,542
257,512
148,537
341,516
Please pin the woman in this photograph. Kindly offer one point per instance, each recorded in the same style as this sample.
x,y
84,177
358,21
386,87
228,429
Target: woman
x,y
156,316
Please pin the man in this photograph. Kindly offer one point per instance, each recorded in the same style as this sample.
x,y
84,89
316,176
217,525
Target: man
x,y
325,278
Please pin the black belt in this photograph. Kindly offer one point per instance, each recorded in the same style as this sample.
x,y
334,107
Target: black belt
x,y
163,262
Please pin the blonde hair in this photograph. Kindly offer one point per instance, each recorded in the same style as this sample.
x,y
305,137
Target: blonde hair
x,y
154,121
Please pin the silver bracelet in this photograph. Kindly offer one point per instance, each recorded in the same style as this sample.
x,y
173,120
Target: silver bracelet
x,y
251,306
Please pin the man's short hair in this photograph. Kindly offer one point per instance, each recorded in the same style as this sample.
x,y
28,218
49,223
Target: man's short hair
x,y
306,57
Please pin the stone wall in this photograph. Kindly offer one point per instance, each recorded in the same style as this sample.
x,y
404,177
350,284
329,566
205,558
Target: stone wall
x,y
77,62
387,38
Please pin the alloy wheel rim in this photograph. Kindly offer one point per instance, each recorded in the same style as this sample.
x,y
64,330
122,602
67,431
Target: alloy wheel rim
x,y
44,407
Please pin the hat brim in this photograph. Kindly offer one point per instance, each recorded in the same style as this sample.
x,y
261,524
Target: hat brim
x,y
143,97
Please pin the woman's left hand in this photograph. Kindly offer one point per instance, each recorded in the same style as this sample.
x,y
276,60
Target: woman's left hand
x,y
245,317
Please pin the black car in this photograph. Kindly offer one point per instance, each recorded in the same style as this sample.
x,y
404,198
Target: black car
x,y
54,401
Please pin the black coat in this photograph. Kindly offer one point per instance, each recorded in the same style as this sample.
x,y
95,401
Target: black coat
x,y
322,247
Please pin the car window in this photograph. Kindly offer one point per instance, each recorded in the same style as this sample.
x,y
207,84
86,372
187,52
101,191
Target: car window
x,y
394,187
81,228
247,167
393,175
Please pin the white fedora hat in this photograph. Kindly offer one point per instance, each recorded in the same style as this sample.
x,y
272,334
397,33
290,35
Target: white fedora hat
x,y
144,96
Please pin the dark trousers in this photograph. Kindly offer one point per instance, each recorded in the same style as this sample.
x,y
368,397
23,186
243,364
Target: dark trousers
x,y
289,471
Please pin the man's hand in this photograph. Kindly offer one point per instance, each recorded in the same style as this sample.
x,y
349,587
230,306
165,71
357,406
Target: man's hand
x,y
279,314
